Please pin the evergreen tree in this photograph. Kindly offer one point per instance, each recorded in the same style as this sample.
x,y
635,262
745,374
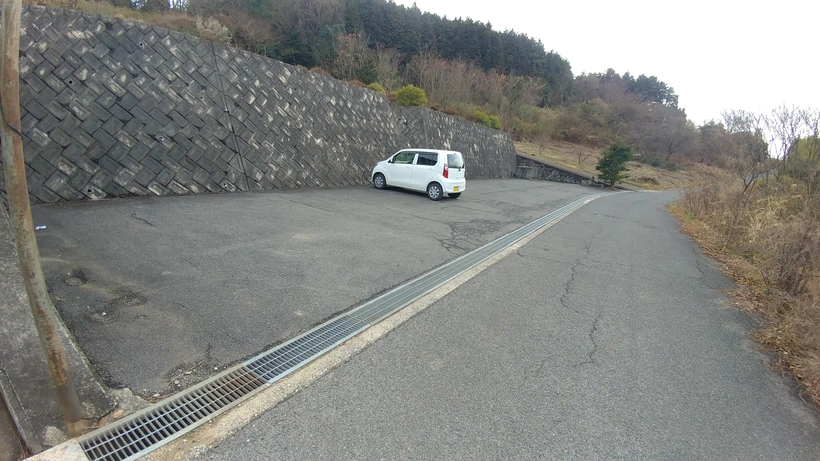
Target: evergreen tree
x,y
613,163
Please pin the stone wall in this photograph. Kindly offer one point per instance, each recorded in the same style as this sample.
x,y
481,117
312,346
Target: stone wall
x,y
531,168
487,153
114,108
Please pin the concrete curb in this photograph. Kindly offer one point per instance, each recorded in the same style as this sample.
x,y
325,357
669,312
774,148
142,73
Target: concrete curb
x,y
25,382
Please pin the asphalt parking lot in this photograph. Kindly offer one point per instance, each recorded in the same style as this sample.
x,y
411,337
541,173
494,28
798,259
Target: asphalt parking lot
x,y
163,292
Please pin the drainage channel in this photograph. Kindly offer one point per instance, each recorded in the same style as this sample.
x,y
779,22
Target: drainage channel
x,y
163,422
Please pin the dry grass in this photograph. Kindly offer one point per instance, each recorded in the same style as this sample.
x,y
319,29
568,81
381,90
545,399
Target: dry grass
x,y
769,240
174,20
586,159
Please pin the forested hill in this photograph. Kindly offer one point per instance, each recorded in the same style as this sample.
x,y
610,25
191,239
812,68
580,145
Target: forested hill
x,y
302,32
503,79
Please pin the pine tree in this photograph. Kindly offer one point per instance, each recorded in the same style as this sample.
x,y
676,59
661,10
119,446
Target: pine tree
x,y
613,163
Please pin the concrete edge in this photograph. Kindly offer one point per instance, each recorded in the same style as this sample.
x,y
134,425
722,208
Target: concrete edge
x,y
68,451
25,382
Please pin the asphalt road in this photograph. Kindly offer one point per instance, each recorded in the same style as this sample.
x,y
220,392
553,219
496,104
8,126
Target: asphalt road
x,y
161,293
609,336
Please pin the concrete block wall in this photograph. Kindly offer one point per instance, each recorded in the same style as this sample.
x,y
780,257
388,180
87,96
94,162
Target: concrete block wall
x,y
531,168
114,108
488,153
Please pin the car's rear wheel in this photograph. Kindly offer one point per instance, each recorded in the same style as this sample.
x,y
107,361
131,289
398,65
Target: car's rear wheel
x,y
379,182
434,191
454,195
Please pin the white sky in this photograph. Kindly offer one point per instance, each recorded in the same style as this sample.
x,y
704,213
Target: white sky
x,y
717,55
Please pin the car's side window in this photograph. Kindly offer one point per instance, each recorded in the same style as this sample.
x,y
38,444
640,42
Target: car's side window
x,y
404,157
427,159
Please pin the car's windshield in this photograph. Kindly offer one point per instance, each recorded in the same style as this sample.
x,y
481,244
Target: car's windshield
x,y
454,161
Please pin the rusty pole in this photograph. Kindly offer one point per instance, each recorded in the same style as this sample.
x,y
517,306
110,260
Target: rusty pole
x,y
20,211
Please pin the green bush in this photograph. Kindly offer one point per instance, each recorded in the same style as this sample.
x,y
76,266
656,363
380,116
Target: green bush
x,y
655,162
613,162
486,119
377,87
671,166
410,95
367,73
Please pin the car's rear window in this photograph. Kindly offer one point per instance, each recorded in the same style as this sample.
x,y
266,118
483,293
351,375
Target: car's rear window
x,y
427,159
455,161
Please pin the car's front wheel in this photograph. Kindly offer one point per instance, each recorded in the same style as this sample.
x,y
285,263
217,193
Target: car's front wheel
x,y
454,195
379,182
434,191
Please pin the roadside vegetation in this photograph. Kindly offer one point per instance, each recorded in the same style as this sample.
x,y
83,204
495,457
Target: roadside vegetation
x,y
753,196
759,214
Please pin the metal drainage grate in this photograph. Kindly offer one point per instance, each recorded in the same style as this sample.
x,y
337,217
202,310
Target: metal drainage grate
x,y
288,357
157,425
165,421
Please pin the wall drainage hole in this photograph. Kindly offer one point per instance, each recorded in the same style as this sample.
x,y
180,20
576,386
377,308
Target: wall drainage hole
x,y
71,82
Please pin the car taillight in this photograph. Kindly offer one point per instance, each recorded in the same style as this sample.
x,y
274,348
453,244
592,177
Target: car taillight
x,y
446,174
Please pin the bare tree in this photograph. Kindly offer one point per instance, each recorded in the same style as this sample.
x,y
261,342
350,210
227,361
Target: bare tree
x,y
795,139
388,61
582,155
351,51
745,147
248,32
442,80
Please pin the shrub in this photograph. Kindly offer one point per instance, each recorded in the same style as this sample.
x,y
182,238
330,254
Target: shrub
x,y
658,162
367,73
211,29
613,162
320,71
654,162
769,237
486,119
377,87
410,95
671,166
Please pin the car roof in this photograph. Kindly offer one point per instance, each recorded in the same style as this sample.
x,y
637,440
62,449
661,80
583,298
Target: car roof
x,y
434,151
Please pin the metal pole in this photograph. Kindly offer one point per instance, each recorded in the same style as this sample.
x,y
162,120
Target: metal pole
x,y
20,212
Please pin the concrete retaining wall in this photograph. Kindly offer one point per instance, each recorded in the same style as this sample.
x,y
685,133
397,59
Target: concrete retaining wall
x,y
114,108
532,168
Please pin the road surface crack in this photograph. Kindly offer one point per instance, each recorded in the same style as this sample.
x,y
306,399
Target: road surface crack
x,y
580,262
466,236
134,215
591,354
311,206
568,290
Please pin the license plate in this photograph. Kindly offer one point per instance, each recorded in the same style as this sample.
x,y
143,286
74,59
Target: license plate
x,y
455,189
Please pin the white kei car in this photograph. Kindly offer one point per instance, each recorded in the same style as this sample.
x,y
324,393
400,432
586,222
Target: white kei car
x,y
436,172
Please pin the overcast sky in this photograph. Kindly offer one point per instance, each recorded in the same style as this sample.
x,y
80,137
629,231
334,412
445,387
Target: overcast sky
x,y
717,55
